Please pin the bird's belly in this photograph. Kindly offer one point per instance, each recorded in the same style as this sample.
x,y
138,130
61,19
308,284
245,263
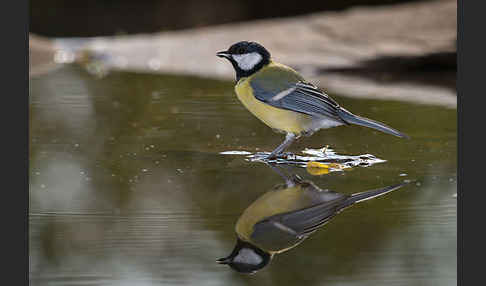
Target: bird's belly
x,y
276,118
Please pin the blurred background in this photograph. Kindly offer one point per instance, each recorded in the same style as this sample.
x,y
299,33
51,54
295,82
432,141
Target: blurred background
x,y
113,17
361,48
130,110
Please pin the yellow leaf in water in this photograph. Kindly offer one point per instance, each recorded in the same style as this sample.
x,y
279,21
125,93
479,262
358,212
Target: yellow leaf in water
x,y
336,166
314,164
316,168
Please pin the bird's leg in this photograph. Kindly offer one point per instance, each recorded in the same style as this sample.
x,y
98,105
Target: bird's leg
x,y
290,179
287,178
324,149
289,139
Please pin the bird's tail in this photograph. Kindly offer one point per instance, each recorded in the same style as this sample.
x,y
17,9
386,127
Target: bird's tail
x,y
363,196
358,120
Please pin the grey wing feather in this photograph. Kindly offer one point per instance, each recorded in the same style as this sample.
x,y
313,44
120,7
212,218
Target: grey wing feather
x,y
306,98
312,90
305,221
299,97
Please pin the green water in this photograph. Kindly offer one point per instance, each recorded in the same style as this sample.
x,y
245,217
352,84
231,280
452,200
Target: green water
x,y
127,187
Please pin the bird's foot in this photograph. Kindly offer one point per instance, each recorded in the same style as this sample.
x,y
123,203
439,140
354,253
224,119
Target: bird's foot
x,y
324,149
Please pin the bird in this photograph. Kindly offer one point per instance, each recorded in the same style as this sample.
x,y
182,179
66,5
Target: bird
x,y
285,216
282,99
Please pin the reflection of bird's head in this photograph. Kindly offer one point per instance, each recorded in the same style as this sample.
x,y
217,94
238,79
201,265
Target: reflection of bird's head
x,y
260,230
246,57
246,258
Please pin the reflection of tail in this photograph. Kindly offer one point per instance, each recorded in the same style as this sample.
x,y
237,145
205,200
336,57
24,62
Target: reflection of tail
x,y
358,120
359,197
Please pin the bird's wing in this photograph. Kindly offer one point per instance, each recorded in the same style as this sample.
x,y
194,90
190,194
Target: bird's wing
x,y
303,222
284,89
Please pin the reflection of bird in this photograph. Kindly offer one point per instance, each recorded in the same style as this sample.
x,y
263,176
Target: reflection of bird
x,y
283,100
283,217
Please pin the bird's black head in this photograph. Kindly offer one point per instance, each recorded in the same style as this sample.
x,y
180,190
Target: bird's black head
x,y
246,57
246,258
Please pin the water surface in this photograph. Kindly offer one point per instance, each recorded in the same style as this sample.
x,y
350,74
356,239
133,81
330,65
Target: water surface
x,y
128,187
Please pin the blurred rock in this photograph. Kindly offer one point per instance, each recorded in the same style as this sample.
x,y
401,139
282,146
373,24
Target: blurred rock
x,y
403,52
41,55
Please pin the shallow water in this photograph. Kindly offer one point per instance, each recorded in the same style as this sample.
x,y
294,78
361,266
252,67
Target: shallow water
x,y
128,187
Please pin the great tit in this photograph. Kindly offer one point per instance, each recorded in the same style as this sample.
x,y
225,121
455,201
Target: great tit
x,y
284,217
281,98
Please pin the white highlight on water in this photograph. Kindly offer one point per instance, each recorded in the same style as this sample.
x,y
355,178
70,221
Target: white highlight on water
x,y
235,153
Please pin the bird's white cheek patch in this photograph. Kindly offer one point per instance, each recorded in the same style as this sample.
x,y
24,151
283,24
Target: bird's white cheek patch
x,y
247,61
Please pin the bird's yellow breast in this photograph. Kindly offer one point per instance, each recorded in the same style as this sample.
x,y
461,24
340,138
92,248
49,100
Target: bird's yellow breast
x,y
280,119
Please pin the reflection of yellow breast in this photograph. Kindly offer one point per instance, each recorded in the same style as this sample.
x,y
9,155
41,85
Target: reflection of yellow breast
x,y
281,119
269,204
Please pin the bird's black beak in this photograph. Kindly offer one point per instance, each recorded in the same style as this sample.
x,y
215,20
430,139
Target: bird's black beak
x,y
223,54
225,260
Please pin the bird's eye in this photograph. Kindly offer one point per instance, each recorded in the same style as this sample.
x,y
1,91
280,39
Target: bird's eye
x,y
241,50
